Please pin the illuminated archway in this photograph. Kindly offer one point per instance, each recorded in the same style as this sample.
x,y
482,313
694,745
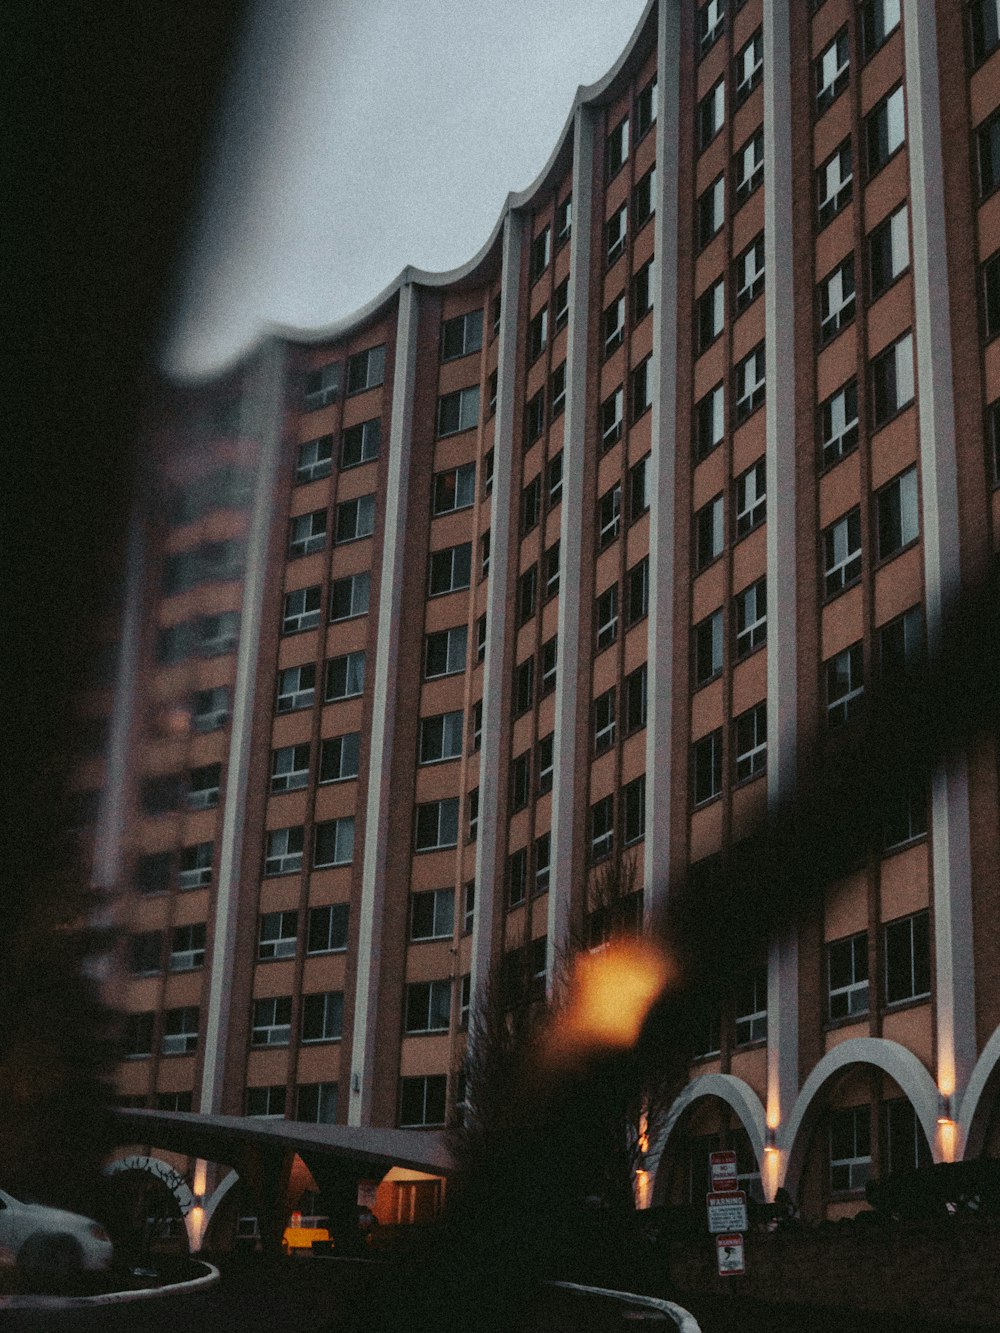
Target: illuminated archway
x,y
727,1088
901,1065
979,1100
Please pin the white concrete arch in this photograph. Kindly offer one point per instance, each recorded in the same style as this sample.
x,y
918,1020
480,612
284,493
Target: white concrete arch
x,y
739,1096
973,1114
216,1197
895,1060
159,1170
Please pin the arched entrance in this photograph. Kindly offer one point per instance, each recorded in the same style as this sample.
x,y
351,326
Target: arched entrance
x,y
714,1111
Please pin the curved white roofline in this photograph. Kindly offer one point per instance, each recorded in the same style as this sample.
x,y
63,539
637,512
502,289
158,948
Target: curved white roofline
x,y
586,94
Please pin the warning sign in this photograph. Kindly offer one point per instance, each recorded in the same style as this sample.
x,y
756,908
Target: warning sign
x,y
723,1168
729,1255
727,1211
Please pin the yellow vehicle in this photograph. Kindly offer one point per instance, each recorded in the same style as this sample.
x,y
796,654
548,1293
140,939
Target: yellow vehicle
x,y
302,1231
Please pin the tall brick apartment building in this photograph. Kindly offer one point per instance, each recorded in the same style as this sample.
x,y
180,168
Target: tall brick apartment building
x,y
574,550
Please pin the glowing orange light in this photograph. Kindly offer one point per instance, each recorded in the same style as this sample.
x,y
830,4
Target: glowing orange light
x,y
610,996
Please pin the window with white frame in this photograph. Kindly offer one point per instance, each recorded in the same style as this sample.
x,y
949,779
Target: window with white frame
x,y
283,850
847,976
187,947
534,417
445,652
643,295
635,699
339,757
322,1017
709,534
604,721
907,958
892,380
469,907
879,20
334,842
545,752
315,459
707,639
277,935
210,708
711,24
437,824
842,553
751,1007
748,275
602,828
327,928
432,915
549,664
751,498
458,411
750,743
616,149
710,315
748,167
888,252
541,253
450,569
524,686
838,424
345,676
350,596
709,422
355,518
307,533
550,568
750,626
748,67
321,386
834,183
638,488
606,617
472,807
905,815
711,212
527,595
615,232
614,324
316,1103
538,334
461,335
832,70
609,512
850,1149
634,810
517,876
428,1006
845,685
361,443
290,767
637,592
884,130
477,726
531,505
296,688
644,199
180,1030
366,370
711,114
218,634
422,1098
441,737
301,610
836,300
204,786
553,480
749,384
195,868
706,767
645,109
492,391
264,1103
897,514
271,1024
481,638
557,391
612,411
560,305
564,220
901,644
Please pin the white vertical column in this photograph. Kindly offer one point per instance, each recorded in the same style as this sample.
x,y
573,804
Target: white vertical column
x,y
262,413
494,701
572,661
951,855
383,730
782,690
662,519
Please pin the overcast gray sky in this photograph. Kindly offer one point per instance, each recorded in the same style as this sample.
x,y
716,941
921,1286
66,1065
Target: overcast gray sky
x,y
363,135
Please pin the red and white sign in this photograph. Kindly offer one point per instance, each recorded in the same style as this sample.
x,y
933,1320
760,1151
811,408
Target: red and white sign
x,y
727,1211
729,1255
723,1168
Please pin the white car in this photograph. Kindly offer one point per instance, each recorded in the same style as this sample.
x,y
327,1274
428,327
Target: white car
x,y
49,1240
